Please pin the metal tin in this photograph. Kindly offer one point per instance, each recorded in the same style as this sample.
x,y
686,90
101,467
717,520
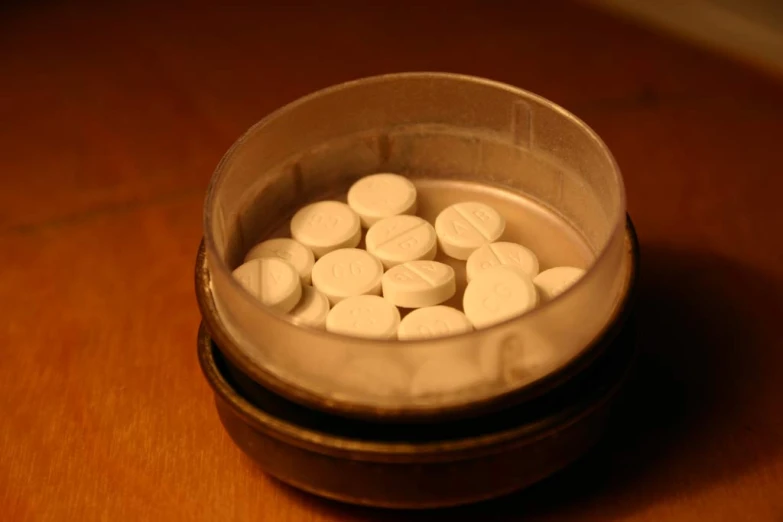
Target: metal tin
x,y
457,138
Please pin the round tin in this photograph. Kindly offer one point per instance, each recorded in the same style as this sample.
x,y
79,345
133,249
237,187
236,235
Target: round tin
x,y
277,389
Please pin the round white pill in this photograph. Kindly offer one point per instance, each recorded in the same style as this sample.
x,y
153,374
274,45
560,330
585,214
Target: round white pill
x,y
399,239
502,253
285,248
497,294
433,321
382,195
464,227
312,309
416,284
347,272
368,316
326,226
445,375
272,280
555,281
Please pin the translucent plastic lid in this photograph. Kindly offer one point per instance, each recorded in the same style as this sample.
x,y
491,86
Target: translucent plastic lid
x,y
440,130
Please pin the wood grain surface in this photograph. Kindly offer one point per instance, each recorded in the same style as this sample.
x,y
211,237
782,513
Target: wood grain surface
x,y
112,117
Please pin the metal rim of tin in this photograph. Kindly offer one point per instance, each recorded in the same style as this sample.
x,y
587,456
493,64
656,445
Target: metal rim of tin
x,y
428,413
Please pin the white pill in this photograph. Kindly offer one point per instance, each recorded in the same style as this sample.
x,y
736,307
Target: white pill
x,y
416,284
445,374
464,227
555,281
368,316
292,251
375,376
347,272
399,239
326,226
431,322
497,294
380,196
272,280
312,309
502,254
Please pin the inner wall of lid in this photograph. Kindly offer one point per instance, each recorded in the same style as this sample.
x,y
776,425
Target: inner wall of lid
x,y
436,128
418,151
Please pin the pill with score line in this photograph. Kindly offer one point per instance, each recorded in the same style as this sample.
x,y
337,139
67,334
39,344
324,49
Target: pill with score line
x,y
273,281
417,284
464,227
502,253
399,239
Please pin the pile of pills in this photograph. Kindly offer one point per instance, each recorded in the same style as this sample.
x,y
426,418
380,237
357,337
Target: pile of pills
x,y
322,279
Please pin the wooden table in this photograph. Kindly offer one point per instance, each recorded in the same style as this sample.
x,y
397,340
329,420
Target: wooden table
x,y
112,118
